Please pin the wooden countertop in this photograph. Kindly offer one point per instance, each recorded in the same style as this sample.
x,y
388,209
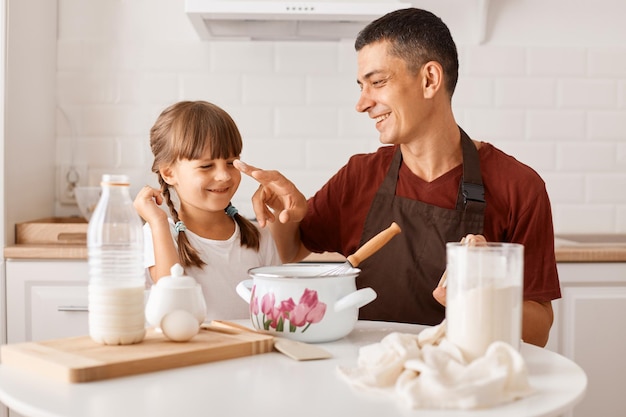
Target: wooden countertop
x,y
65,238
569,248
51,251
591,254
78,252
590,248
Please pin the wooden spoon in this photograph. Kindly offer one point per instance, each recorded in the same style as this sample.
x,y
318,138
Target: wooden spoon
x,y
299,351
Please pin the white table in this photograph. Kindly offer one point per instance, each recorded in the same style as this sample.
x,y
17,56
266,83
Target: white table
x,y
272,384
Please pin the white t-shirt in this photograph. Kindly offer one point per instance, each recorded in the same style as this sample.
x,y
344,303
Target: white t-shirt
x,y
227,265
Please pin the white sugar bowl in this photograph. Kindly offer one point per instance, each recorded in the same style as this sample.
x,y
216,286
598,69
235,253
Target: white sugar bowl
x,y
176,306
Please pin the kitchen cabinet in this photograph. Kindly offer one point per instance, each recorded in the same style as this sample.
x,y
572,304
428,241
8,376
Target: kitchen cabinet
x,y
588,328
46,299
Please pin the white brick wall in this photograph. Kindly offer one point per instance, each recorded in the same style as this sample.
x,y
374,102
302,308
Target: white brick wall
x,y
551,96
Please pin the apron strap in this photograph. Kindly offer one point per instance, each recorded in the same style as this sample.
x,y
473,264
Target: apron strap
x,y
471,198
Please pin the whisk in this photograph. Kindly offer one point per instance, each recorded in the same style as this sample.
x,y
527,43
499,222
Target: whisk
x,y
365,251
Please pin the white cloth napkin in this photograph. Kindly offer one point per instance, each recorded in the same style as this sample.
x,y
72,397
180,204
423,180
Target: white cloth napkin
x,y
427,371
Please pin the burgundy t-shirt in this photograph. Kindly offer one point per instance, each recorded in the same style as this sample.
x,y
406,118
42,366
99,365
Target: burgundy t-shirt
x,y
518,209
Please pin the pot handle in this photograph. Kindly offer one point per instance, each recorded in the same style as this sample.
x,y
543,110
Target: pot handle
x,y
356,299
244,290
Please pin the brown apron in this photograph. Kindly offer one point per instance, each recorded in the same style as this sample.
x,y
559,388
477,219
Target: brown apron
x,y
406,270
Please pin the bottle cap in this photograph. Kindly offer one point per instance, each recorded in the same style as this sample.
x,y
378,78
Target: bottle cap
x,y
115,179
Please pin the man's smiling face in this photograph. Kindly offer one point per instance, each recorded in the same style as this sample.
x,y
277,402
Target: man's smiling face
x,y
390,94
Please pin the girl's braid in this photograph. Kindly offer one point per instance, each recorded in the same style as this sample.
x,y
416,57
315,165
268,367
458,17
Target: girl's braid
x,y
187,254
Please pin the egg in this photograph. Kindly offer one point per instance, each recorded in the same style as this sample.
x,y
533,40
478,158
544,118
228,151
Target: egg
x,y
179,326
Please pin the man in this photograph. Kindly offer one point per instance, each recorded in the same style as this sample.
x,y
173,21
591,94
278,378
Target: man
x,y
434,181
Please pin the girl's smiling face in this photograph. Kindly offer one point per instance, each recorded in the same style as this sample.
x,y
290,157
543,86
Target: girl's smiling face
x,y
204,184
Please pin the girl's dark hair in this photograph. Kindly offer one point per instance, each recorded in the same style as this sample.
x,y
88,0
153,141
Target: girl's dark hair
x,y
417,36
184,131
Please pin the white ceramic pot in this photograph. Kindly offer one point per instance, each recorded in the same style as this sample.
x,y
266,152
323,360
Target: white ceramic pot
x,y
177,300
293,301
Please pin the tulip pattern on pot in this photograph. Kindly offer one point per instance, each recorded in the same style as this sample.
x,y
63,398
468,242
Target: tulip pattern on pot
x,y
270,314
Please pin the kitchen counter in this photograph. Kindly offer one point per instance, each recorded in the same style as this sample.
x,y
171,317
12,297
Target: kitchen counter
x,y
34,251
568,248
590,248
60,251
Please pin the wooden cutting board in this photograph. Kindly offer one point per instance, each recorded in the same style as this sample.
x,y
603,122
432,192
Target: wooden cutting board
x,y
79,359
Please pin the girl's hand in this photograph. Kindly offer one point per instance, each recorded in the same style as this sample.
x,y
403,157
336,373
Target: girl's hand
x,y
147,204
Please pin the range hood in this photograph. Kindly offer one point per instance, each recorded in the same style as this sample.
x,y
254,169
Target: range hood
x,y
285,20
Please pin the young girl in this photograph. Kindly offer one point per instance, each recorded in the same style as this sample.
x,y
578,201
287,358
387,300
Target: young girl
x,y
194,146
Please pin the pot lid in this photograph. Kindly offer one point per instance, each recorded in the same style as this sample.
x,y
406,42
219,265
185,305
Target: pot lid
x,y
301,270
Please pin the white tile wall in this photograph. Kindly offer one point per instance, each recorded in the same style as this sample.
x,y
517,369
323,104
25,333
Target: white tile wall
x,y
550,96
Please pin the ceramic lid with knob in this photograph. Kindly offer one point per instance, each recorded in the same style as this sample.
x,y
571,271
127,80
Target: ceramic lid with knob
x,y
176,279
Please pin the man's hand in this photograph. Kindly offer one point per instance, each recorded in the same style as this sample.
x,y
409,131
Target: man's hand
x,y
439,293
536,317
276,194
